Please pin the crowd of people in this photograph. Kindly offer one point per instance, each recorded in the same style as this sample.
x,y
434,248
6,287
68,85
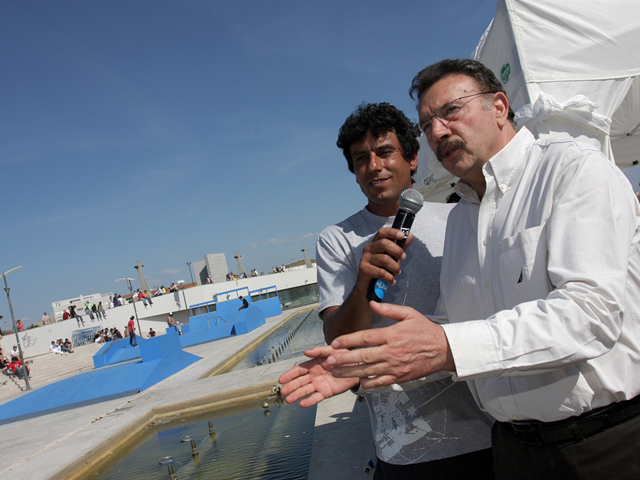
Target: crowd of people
x,y
161,290
107,335
143,297
60,347
93,311
11,365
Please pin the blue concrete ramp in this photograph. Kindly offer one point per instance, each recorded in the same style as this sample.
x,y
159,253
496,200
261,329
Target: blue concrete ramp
x,y
116,351
205,335
161,358
248,319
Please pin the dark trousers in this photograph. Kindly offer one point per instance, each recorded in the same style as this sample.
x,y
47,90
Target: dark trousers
x,y
132,339
470,466
613,454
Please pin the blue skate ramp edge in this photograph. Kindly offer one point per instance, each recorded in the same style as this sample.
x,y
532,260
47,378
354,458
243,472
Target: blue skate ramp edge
x,y
205,335
70,406
95,386
116,351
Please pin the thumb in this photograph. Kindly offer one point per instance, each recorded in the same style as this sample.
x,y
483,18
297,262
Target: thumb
x,y
393,312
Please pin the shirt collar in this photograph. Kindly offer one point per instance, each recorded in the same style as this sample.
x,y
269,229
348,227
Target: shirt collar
x,y
501,165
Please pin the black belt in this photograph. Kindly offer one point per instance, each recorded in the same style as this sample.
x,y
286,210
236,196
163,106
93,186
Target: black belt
x,y
575,429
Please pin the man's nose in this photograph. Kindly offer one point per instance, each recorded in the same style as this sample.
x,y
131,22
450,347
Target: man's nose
x,y
439,129
375,163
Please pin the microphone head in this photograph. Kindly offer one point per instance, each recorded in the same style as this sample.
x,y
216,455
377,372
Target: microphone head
x,y
411,200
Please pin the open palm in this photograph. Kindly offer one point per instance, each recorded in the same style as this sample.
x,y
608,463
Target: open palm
x,y
313,378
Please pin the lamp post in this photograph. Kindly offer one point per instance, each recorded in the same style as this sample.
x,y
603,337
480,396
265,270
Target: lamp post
x,y
190,273
15,327
180,282
129,280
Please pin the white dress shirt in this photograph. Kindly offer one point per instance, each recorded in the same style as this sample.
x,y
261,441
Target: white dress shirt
x,y
540,285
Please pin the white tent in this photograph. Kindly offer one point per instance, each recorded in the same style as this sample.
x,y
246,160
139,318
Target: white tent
x,y
569,68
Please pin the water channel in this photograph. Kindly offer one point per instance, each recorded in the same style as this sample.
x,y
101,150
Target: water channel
x,y
249,442
299,333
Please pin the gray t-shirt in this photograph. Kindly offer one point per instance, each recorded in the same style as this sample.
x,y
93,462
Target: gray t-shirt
x,y
438,419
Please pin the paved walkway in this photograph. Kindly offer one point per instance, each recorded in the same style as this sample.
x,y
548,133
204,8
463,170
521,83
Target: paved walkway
x,y
62,445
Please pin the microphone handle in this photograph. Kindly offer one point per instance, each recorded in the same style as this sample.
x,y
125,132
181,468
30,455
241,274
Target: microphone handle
x,y
403,221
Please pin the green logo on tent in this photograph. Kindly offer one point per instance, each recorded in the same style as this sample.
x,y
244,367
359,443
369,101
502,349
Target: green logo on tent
x,y
505,71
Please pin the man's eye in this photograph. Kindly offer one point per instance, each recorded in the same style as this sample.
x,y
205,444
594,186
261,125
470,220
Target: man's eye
x,y
450,111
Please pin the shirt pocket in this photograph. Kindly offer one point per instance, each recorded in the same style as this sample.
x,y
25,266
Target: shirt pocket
x,y
523,267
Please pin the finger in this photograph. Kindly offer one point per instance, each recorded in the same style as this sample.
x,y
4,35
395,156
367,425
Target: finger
x,y
362,370
312,400
358,361
386,247
388,262
360,338
394,312
292,374
292,386
390,233
378,381
379,265
380,273
300,393
320,351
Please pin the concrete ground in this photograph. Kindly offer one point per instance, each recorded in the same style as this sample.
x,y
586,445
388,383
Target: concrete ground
x,y
62,445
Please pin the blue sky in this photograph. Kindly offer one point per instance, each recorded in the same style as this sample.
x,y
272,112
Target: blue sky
x,y
161,131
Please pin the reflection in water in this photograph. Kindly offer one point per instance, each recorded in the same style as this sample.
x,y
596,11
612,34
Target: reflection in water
x,y
247,444
248,441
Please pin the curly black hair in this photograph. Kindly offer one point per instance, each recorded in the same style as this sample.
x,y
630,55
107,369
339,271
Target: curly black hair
x,y
378,118
483,76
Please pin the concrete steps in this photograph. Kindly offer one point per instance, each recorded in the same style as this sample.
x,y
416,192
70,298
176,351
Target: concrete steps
x,y
49,368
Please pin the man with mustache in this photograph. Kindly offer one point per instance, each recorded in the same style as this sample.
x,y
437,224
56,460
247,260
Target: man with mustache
x,y
435,429
540,285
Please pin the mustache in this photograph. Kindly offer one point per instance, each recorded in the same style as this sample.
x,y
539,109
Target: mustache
x,y
448,145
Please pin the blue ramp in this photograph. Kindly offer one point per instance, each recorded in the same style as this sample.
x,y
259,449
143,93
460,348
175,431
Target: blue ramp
x,y
116,351
248,320
205,335
161,358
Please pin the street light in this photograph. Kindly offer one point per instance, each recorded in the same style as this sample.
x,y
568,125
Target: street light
x,y
180,282
15,327
129,280
190,273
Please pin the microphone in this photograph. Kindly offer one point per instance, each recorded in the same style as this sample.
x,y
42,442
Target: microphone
x,y
410,203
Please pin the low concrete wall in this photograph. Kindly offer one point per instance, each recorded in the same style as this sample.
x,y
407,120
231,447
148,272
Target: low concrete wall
x,y
36,341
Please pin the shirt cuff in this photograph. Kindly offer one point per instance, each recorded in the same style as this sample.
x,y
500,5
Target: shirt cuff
x,y
472,348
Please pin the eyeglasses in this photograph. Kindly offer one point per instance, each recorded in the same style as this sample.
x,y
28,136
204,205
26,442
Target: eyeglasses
x,y
448,112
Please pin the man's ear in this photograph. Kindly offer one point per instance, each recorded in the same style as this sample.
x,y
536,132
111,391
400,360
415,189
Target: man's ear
x,y
414,161
501,107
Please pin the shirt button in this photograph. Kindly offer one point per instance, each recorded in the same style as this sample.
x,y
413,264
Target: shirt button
x,y
485,242
486,284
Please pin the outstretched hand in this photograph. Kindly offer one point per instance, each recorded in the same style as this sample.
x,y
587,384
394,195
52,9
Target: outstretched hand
x,y
415,347
313,378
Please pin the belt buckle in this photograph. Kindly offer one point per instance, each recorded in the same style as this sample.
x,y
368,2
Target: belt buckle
x,y
526,432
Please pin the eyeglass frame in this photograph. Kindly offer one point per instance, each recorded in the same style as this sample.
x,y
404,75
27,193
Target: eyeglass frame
x,y
444,121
